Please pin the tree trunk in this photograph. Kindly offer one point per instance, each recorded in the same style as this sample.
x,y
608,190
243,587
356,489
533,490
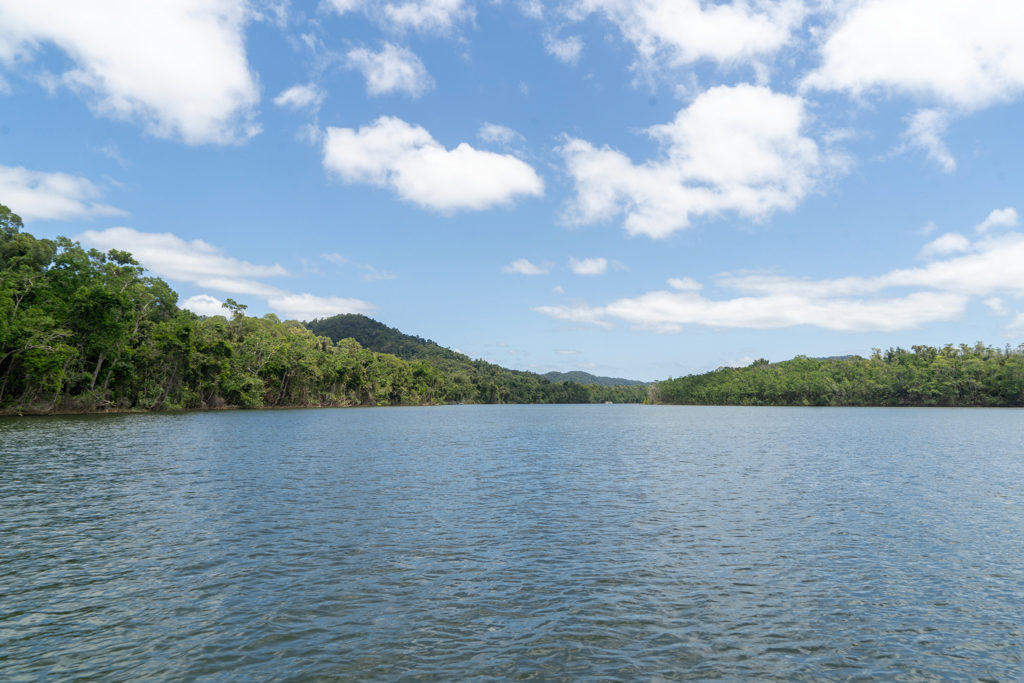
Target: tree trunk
x,y
96,372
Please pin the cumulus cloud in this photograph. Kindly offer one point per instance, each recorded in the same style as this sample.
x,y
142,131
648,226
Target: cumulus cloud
x,y
179,68
496,133
964,54
998,218
680,32
406,158
308,306
664,311
925,130
566,50
196,262
939,291
588,266
524,267
199,263
37,195
306,96
684,284
394,69
203,304
950,243
733,149
436,16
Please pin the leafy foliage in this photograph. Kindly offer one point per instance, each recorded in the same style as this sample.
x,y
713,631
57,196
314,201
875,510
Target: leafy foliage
x,y
82,330
962,375
474,381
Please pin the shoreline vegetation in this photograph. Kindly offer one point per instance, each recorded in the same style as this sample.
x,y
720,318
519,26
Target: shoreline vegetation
x,y
88,332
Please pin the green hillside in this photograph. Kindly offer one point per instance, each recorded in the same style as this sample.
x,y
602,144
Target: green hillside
x,y
581,377
961,375
376,336
471,380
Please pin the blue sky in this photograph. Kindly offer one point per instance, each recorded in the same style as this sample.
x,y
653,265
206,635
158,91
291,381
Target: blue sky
x,y
638,188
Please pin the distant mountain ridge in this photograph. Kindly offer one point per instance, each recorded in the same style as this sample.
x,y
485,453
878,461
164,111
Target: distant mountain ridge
x,y
581,377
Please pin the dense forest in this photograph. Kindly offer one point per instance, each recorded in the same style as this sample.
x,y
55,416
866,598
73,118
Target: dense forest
x,y
82,330
962,375
587,378
471,380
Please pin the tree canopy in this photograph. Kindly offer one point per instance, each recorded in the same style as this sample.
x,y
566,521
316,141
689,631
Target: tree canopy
x,y
82,330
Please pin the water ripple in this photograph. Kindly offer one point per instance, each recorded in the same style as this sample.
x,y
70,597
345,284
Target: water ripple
x,y
555,543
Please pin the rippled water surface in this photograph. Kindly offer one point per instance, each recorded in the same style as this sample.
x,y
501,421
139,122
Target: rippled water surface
x,y
514,542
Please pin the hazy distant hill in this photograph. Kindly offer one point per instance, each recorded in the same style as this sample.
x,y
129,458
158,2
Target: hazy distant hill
x,y
581,377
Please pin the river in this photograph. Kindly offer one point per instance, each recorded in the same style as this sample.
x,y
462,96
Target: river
x,y
556,543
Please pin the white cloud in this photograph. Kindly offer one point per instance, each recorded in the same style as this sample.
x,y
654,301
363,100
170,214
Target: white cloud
x,y
306,96
576,314
998,218
204,304
950,243
940,291
684,284
588,266
668,311
524,267
427,15
925,129
406,158
1016,326
36,195
496,133
344,6
679,32
178,67
964,54
733,149
373,274
566,50
334,257
437,16
532,8
393,69
308,306
996,305
197,262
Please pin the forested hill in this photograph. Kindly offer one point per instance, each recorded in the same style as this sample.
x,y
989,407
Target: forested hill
x,y
377,336
581,377
475,380
82,331
961,375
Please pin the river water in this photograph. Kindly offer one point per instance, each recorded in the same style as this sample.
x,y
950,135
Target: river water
x,y
555,543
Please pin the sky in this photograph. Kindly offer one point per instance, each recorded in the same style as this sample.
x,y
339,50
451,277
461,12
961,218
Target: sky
x,y
635,188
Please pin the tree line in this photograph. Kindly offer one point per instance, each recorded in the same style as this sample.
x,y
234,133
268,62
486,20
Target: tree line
x,y
82,330
961,375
